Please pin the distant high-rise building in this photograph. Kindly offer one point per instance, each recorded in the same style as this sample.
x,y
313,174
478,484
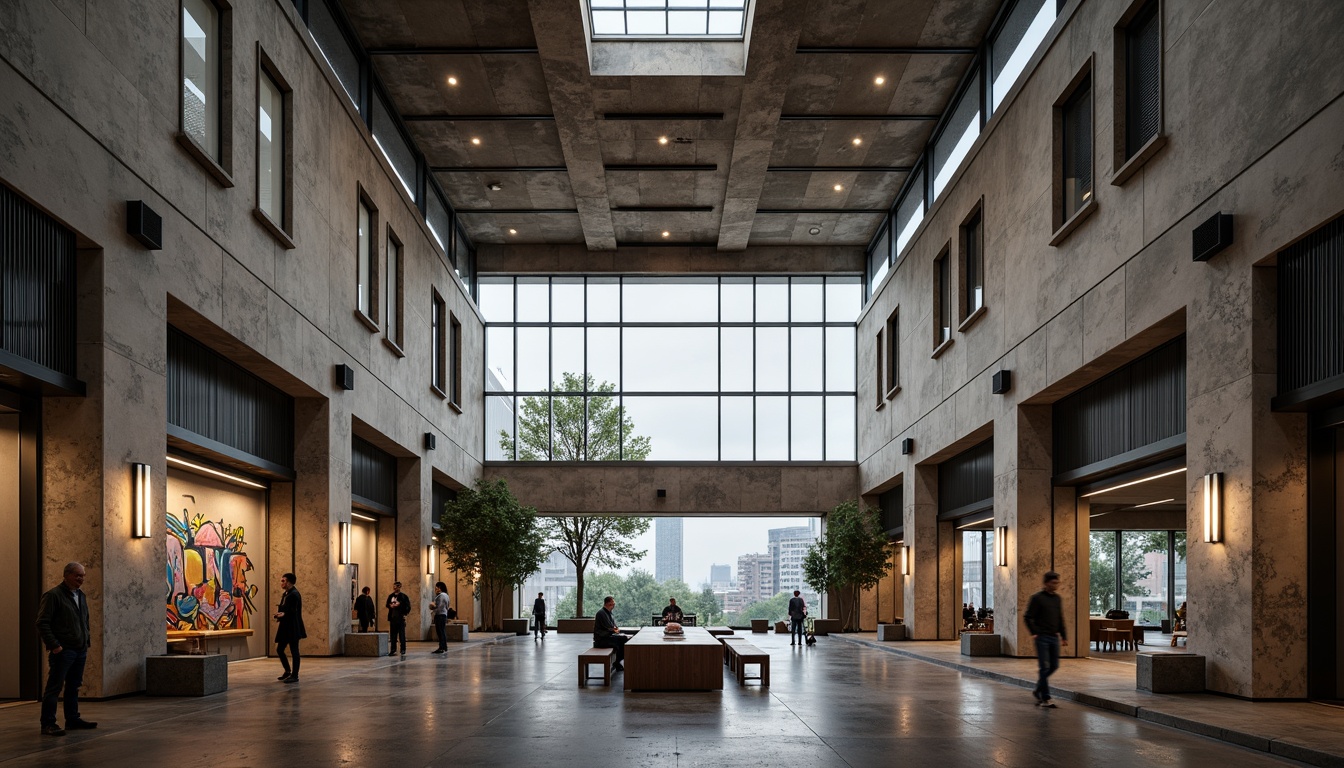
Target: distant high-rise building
x,y
720,577
555,579
788,547
755,577
667,548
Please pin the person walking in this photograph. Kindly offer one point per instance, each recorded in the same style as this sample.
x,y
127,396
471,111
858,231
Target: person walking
x,y
289,628
63,624
797,611
366,611
440,607
539,616
398,607
1045,622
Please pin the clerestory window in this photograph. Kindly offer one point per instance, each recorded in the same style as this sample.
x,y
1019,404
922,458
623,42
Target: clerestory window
x,y
676,19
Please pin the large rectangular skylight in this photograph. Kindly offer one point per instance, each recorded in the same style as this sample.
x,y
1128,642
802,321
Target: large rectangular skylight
x,y
668,19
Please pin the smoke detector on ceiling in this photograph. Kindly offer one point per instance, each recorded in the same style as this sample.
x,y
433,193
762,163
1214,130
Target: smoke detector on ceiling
x,y
814,231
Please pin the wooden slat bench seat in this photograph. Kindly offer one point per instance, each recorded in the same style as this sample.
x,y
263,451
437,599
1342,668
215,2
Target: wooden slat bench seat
x,y
744,654
728,640
592,656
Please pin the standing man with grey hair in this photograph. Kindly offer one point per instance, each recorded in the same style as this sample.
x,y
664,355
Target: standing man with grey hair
x,y
63,623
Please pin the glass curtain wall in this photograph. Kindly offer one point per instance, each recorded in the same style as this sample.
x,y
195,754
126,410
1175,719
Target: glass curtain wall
x,y
1142,572
670,368
977,578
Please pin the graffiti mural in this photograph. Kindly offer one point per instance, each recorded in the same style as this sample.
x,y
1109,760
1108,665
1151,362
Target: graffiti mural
x,y
207,575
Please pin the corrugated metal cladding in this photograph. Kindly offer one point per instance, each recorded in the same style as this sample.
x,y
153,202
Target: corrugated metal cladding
x,y
37,285
1311,309
373,473
212,396
1144,54
1138,405
442,494
892,504
967,479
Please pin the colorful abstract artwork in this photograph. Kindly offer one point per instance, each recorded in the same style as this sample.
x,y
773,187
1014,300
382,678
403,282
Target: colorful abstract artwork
x,y
207,575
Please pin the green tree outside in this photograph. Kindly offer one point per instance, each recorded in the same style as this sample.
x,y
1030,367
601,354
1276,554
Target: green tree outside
x,y
852,556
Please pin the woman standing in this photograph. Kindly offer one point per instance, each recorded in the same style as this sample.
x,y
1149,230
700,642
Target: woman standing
x,y
440,607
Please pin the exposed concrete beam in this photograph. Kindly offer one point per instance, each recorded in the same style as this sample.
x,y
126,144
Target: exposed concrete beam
x,y
563,46
770,58
445,51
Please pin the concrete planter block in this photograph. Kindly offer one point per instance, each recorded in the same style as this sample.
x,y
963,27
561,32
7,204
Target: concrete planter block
x,y
826,626
981,644
187,675
781,628
1169,673
366,643
516,626
575,626
457,633
887,632
760,626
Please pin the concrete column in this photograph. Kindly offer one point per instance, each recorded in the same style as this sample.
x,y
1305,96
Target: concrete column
x,y
413,534
321,503
921,538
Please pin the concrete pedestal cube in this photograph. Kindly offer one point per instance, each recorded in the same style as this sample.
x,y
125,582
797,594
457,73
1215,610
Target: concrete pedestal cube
x,y
177,675
457,633
887,632
826,626
582,626
516,626
366,643
981,644
1169,673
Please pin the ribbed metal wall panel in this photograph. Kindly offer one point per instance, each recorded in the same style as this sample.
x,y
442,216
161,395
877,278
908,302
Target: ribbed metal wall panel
x,y
892,504
1138,405
441,495
37,285
1311,309
967,478
215,398
373,473
1143,43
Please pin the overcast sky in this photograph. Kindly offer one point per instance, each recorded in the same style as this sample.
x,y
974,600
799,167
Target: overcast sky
x,y
706,541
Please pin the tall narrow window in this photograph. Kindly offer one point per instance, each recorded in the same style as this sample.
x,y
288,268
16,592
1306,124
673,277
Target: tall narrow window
x,y
880,368
201,81
271,171
942,300
893,353
972,265
438,318
392,291
1076,150
1142,74
367,222
455,360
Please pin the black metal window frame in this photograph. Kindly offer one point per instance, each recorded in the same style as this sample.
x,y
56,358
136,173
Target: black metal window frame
x,y
1077,162
667,7
438,319
620,393
1141,69
972,243
1116,554
893,353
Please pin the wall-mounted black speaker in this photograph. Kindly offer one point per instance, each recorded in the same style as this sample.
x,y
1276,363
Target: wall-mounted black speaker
x,y
144,225
430,441
345,377
1211,237
662,493
907,446
1003,381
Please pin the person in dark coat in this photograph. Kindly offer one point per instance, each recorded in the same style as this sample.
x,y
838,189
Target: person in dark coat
x,y
289,628
539,616
398,608
797,612
366,611
63,624
607,635
1045,622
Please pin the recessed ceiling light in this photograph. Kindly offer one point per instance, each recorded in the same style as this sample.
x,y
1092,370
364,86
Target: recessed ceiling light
x,y
452,80
857,141
666,233
513,231
662,139
879,80
839,188
494,186
814,231
476,140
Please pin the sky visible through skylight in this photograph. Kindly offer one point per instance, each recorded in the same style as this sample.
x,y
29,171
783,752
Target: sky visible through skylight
x,y
721,19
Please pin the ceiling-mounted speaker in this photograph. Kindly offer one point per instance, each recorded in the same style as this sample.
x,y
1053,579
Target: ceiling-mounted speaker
x,y
345,377
1003,381
1212,237
144,224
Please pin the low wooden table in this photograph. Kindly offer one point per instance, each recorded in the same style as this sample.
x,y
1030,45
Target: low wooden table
x,y
197,638
690,662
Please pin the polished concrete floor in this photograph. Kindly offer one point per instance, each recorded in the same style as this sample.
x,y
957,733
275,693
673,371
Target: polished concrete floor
x,y
517,702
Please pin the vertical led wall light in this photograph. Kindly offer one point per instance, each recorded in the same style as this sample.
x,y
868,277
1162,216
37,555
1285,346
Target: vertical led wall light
x,y
431,558
905,561
345,544
140,523
1213,507
1001,546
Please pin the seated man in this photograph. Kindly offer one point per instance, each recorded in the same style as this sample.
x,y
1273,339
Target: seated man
x,y
607,635
672,612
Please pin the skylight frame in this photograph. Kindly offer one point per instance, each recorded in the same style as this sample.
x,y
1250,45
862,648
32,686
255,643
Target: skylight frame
x,y
708,8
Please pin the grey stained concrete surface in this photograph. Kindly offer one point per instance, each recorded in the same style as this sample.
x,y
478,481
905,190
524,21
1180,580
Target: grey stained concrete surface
x,y
515,702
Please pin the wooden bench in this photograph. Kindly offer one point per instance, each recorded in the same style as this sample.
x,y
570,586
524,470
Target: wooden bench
x,y
194,640
728,640
592,656
745,653
1178,634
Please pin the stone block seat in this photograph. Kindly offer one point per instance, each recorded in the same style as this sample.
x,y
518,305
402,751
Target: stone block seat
x,y
603,656
457,632
366,643
582,626
888,632
516,626
781,628
182,675
981,644
760,626
1169,672
826,626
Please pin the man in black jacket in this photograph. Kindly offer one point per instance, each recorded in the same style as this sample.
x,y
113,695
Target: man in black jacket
x,y
539,615
398,607
365,610
1045,622
289,629
673,611
797,612
607,635
63,623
